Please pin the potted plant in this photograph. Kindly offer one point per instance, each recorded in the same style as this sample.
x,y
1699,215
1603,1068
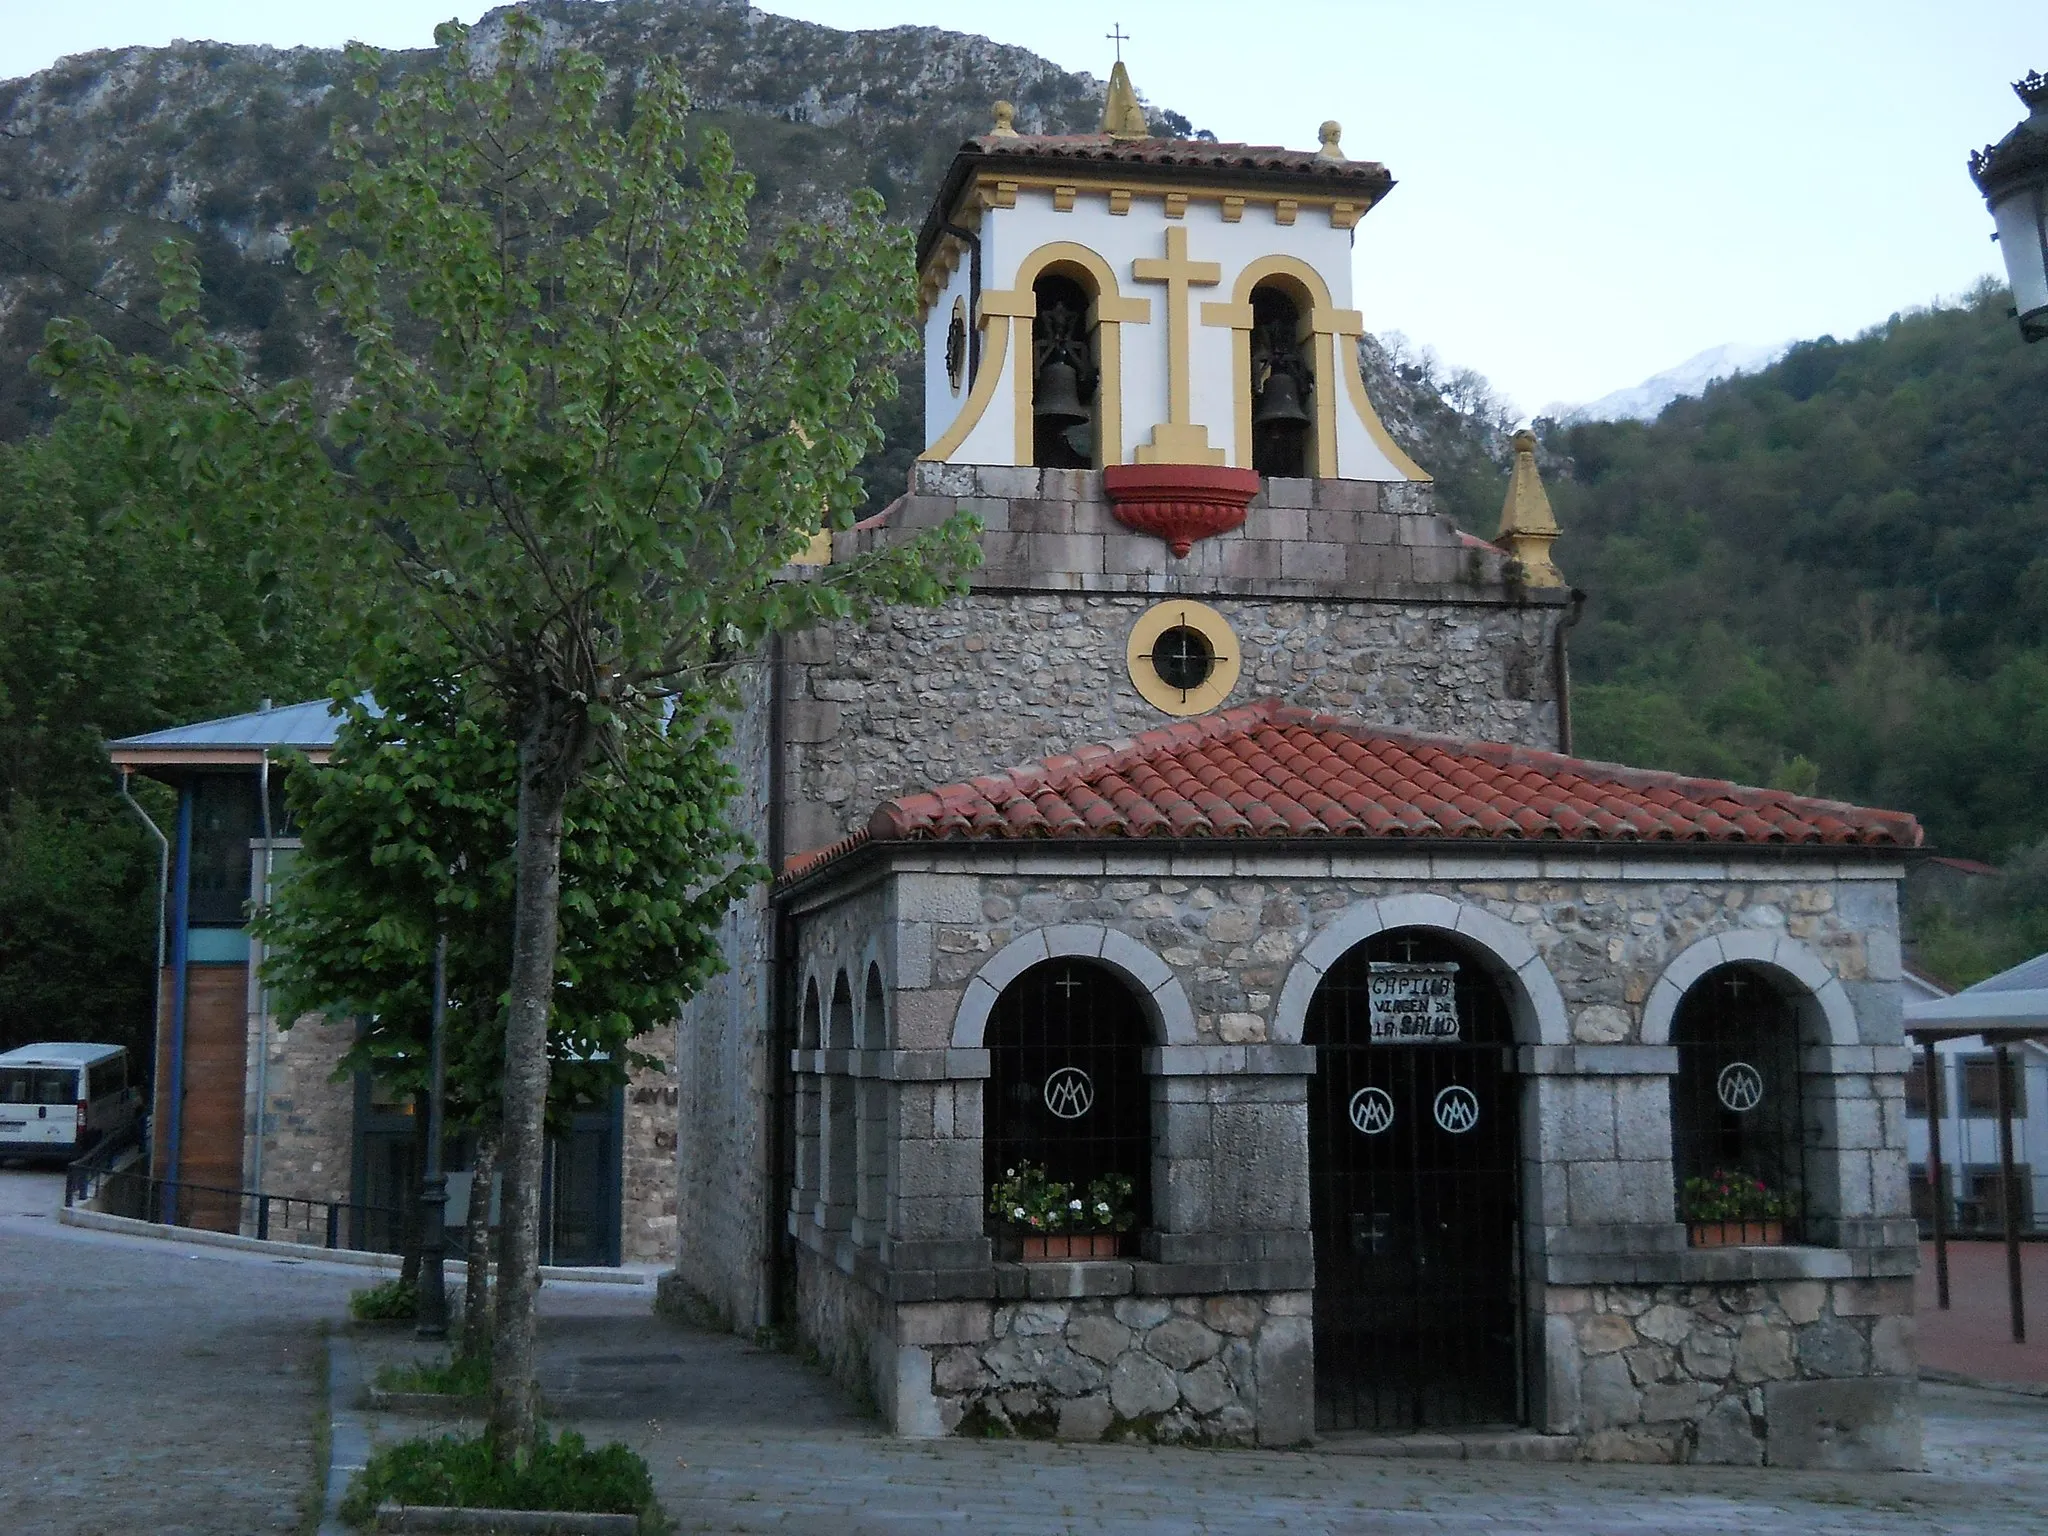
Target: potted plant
x,y
1052,1221
1729,1208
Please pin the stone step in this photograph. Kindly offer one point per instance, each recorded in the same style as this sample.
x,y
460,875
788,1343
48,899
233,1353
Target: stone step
x,y
1454,1445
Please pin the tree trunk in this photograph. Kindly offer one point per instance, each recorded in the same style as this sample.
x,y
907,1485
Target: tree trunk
x,y
549,755
476,1248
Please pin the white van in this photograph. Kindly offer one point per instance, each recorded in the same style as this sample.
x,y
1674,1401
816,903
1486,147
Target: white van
x,y
59,1100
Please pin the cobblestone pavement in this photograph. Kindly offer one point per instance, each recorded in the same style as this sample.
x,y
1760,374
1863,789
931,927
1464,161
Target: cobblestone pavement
x,y
148,1386
152,1387
743,1439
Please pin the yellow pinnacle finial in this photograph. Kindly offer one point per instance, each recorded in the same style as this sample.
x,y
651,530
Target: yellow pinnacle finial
x,y
1122,117
1527,525
1330,133
1006,122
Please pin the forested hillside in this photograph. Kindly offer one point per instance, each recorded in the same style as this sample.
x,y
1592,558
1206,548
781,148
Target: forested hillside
x,y
1833,575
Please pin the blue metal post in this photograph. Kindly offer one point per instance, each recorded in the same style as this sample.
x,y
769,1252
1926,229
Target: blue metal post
x,y
181,947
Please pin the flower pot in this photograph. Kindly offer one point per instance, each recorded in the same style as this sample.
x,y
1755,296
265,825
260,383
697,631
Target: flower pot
x,y
1064,1247
1735,1234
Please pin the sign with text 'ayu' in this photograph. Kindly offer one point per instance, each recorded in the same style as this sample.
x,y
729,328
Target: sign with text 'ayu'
x,y
1412,1003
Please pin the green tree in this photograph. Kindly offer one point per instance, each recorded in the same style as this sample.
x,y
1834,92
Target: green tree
x,y
588,425
407,836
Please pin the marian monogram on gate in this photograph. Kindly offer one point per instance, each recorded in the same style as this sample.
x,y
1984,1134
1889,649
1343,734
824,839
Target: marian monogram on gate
x,y
1740,1087
1069,1093
1412,1002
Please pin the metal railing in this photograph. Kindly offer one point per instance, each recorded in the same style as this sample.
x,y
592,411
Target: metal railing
x,y
342,1224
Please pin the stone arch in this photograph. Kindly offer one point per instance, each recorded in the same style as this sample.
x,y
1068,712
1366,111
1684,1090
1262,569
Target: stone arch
x,y
1112,312
839,1019
1158,990
1806,971
872,1028
1538,1006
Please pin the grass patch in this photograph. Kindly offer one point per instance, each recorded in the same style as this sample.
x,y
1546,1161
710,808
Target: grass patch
x,y
391,1302
459,1376
564,1474
315,1505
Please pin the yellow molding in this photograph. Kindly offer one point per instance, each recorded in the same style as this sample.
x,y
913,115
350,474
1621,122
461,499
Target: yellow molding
x,y
1323,347
1233,209
1112,311
1176,205
1063,199
1286,210
1204,621
1179,439
1005,195
1242,194
1361,403
984,390
1119,200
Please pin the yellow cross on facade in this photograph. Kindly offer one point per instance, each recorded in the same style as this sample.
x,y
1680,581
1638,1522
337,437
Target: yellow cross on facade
x,y
1178,439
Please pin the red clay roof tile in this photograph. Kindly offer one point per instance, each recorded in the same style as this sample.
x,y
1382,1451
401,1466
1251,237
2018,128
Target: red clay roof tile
x,y
1267,769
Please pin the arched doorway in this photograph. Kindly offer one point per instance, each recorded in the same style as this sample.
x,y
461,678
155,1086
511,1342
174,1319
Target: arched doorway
x,y
1067,1091
1415,1189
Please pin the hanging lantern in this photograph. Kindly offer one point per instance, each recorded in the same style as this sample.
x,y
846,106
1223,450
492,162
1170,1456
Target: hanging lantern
x,y
2013,176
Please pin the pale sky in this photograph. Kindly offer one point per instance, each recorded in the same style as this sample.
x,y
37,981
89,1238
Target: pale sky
x,y
1590,191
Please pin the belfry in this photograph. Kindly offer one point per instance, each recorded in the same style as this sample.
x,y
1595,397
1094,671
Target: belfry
x,y
1202,998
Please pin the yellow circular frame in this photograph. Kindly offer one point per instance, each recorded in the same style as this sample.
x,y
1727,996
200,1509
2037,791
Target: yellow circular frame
x,y
1204,621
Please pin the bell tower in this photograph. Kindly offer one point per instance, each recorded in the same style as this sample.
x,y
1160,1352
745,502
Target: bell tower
x,y
1114,298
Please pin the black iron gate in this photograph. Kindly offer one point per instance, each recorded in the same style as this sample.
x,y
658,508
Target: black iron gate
x,y
1415,1195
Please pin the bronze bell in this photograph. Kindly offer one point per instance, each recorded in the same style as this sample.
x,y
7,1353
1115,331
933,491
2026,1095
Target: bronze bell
x,y
1280,403
1056,397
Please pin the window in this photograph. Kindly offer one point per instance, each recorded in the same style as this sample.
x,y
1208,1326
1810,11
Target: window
x,y
1980,1086
1283,382
108,1077
1067,1090
225,818
1737,1103
1065,375
1985,1209
1916,1087
37,1085
872,1166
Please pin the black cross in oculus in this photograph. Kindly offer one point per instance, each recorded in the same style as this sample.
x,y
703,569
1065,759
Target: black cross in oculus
x,y
1119,36
1183,658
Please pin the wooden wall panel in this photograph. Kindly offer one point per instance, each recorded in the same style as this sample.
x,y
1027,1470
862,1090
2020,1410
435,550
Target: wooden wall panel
x,y
216,1058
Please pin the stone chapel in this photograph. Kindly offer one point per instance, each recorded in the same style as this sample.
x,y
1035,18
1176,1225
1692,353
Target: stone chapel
x,y
1203,998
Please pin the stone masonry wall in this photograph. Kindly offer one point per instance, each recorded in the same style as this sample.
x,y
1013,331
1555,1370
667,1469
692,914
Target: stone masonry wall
x,y
915,698
647,1160
1733,1374
1185,1368
722,1082
309,1118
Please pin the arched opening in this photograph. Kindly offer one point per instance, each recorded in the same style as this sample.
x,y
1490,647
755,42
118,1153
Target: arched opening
x,y
1067,1098
872,1162
1066,372
1415,1188
841,1135
1740,1145
1283,381
805,1196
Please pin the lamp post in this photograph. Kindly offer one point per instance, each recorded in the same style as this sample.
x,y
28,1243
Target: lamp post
x,y
2013,176
433,1303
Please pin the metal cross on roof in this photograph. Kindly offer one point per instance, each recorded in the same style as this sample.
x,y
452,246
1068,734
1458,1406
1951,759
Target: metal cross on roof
x,y
1119,36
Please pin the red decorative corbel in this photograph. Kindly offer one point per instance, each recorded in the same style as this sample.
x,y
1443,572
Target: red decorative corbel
x,y
1180,503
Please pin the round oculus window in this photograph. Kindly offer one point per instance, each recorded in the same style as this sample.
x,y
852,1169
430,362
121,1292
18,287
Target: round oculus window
x,y
1183,657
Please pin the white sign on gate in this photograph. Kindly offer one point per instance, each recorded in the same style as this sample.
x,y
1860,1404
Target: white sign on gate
x,y
1412,1002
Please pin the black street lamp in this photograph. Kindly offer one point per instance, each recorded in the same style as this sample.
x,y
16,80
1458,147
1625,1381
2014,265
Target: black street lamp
x,y
2013,176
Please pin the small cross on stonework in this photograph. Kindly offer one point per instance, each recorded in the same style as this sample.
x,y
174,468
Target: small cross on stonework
x,y
1408,945
1119,36
1068,985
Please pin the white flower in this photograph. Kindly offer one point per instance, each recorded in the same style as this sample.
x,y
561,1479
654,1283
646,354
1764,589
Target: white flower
x,y
1073,1205
1017,1213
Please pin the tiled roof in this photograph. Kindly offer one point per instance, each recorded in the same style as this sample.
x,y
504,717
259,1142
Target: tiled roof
x,y
1268,769
1188,162
1181,154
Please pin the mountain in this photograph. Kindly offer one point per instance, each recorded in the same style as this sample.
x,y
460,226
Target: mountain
x,y
1643,402
105,153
